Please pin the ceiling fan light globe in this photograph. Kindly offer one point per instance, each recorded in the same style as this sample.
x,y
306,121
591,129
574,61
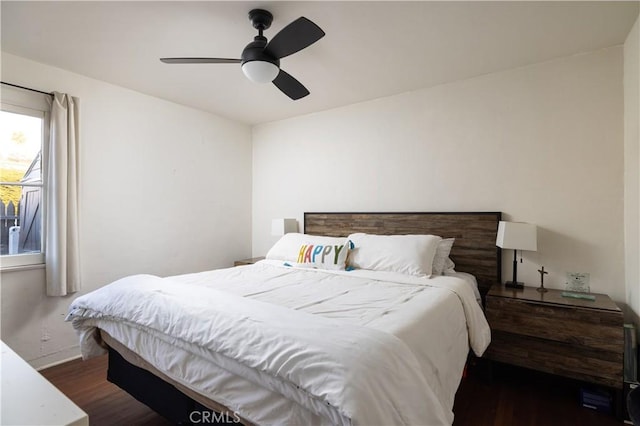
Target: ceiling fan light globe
x,y
260,71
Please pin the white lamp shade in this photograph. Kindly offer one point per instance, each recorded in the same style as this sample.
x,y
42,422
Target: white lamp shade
x,y
279,227
260,71
517,236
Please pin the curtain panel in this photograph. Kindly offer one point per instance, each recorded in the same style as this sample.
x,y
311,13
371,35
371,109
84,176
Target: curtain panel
x,y
62,254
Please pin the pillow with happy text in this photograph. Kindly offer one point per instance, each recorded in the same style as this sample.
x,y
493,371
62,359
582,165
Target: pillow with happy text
x,y
312,251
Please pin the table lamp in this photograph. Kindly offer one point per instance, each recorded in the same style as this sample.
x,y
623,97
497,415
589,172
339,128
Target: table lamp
x,y
279,227
516,236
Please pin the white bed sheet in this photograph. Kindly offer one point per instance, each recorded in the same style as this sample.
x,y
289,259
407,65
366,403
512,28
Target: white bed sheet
x,y
426,314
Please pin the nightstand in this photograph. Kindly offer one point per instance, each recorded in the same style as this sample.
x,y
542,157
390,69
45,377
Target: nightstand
x,y
575,338
250,261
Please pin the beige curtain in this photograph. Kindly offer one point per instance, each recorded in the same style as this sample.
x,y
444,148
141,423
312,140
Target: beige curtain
x,y
62,255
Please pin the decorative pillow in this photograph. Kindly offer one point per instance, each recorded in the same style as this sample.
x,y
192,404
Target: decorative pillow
x,y
442,255
312,251
407,254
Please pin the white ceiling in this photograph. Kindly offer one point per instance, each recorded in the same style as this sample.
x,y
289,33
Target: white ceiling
x,y
372,49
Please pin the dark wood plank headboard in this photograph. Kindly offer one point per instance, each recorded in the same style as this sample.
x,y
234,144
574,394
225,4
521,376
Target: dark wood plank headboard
x,y
474,251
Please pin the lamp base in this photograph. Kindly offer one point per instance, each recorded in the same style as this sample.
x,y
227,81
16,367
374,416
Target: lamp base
x,y
517,285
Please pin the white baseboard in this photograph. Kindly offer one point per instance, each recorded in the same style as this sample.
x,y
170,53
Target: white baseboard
x,y
57,358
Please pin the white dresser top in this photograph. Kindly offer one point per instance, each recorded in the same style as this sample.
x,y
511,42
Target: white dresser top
x,y
29,399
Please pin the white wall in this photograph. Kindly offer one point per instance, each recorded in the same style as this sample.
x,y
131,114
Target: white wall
x,y
165,190
632,166
543,144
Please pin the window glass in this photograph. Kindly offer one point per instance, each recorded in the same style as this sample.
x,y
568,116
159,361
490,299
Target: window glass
x,y
22,138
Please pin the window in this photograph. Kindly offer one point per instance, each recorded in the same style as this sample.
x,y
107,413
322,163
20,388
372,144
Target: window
x,y
24,131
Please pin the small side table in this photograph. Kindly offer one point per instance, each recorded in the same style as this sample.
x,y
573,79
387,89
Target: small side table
x,y
250,261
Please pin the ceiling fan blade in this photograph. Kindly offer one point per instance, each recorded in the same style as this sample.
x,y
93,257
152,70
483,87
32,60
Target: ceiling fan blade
x,y
290,86
200,61
296,36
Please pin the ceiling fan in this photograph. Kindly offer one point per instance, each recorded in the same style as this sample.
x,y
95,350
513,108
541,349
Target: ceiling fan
x,y
261,60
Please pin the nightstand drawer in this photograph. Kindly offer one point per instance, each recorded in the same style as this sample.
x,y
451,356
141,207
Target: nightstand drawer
x,y
579,326
564,359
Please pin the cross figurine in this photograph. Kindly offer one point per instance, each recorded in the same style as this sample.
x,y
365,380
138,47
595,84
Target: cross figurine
x,y
541,289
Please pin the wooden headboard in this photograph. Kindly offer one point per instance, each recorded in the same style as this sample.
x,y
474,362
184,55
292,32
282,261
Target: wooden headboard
x,y
474,251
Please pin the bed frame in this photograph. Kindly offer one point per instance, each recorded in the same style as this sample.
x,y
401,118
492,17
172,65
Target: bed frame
x,y
474,252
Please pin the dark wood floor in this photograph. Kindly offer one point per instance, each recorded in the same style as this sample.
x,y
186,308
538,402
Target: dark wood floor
x,y
513,397
516,396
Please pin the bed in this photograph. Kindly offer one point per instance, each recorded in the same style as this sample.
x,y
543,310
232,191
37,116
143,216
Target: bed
x,y
279,343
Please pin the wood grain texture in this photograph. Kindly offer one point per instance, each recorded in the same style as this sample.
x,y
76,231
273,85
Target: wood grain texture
x,y
583,327
474,251
557,335
553,357
601,302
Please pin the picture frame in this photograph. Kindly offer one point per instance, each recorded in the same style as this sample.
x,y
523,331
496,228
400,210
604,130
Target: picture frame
x,y
578,282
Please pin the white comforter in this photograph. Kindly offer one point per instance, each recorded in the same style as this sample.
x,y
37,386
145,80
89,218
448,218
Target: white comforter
x,y
356,348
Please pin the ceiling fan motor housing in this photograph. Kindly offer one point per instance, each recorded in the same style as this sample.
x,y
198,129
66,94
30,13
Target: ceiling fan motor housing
x,y
257,66
254,51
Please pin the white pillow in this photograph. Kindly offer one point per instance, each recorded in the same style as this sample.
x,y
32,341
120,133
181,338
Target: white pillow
x,y
407,254
311,251
442,255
